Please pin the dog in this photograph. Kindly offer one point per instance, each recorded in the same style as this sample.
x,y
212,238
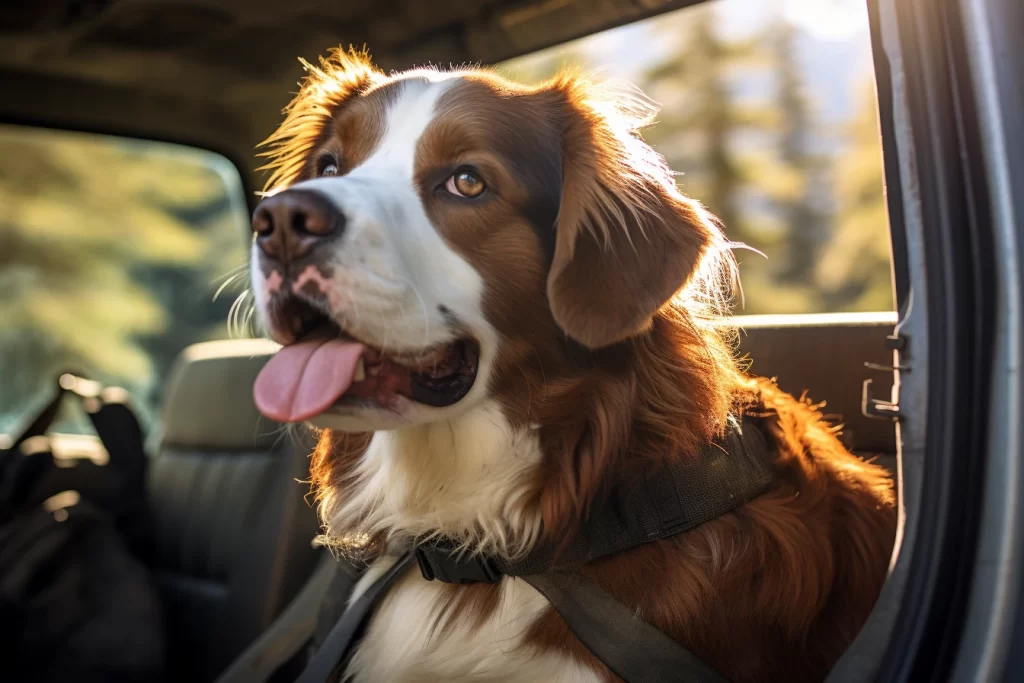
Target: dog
x,y
496,305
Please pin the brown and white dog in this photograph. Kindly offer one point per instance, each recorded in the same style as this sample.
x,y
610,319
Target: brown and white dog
x,y
497,305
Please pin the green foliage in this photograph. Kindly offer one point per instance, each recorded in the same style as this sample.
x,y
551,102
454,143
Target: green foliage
x,y
779,180
93,230
855,269
693,84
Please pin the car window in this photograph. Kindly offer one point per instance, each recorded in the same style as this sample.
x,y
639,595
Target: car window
x,y
111,253
768,114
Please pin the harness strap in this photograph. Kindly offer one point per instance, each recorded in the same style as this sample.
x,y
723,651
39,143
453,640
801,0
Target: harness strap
x,y
669,500
337,646
632,648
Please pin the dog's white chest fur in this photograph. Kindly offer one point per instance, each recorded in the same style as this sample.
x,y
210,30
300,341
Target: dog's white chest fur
x,y
466,478
400,647
462,478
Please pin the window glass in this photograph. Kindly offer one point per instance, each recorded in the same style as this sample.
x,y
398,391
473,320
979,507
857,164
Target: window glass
x,y
111,253
768,114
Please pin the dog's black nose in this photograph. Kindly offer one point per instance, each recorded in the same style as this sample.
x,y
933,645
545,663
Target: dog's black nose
x,y
292,223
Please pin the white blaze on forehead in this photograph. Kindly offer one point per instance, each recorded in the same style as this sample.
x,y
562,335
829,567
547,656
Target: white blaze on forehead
x,y
395,282
407,118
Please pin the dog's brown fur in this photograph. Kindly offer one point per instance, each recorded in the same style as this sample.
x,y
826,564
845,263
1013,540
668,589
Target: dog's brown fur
x,y
773,591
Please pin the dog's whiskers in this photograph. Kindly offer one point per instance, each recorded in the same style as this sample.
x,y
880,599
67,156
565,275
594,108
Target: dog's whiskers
x,y
231,277
240,314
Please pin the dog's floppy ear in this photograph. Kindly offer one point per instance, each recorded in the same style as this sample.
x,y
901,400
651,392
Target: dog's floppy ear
x,y
627,239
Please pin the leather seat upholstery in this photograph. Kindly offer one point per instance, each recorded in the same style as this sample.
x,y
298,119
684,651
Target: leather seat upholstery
x,y
233,532
824,356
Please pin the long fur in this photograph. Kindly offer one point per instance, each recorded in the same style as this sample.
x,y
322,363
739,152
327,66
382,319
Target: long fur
x,y
591,392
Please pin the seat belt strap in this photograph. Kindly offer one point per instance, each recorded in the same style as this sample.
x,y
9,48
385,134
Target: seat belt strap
x,y
119,431
632,648
338,643
112,418
288,634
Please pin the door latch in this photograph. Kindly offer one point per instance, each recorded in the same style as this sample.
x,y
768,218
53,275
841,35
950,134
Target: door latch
x,y
876,407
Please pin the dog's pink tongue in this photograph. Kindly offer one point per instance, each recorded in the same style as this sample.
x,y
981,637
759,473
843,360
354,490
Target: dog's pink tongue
x,y
304,379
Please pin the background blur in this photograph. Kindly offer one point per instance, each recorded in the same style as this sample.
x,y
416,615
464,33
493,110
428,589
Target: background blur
x,y
112,251
768,113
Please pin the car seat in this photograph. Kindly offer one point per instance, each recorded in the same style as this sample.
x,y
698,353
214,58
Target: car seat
x,y
232,530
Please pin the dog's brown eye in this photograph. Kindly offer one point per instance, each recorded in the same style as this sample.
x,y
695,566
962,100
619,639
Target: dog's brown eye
x,y
465,183
326,166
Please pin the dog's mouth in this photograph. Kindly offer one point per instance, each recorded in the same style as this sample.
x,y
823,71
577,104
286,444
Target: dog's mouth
x,y
327,367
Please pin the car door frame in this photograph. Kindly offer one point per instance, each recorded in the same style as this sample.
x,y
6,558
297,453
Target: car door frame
x,y
953,600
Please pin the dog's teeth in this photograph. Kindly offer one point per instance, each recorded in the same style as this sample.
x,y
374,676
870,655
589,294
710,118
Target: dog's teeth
x,y
360,371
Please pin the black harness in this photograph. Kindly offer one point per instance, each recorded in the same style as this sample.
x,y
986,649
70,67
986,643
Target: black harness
x,y
668,501
726,474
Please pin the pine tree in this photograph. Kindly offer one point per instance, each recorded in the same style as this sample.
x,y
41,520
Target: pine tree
x,y
805,221
700,116
744,157
749,157
855,270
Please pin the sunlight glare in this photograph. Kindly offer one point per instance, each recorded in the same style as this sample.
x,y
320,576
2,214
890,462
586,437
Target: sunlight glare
x,y
828,19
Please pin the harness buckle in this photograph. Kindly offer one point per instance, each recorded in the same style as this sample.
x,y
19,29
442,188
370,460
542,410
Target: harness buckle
x,y
439,563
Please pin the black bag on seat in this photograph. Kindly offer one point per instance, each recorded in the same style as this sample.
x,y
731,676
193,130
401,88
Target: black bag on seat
x,y
75,603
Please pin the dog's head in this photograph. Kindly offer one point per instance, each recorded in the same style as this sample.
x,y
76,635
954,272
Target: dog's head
x,y
435,239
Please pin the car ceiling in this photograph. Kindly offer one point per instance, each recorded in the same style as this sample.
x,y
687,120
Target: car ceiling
x,y
216,73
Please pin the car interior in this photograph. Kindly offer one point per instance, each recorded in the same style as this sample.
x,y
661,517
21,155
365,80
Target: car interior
x,y
233,530
234,527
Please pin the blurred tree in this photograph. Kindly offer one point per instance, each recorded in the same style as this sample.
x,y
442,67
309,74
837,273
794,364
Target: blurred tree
x,y
701,115
855,270
739,125
85,217
799,189
744,153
